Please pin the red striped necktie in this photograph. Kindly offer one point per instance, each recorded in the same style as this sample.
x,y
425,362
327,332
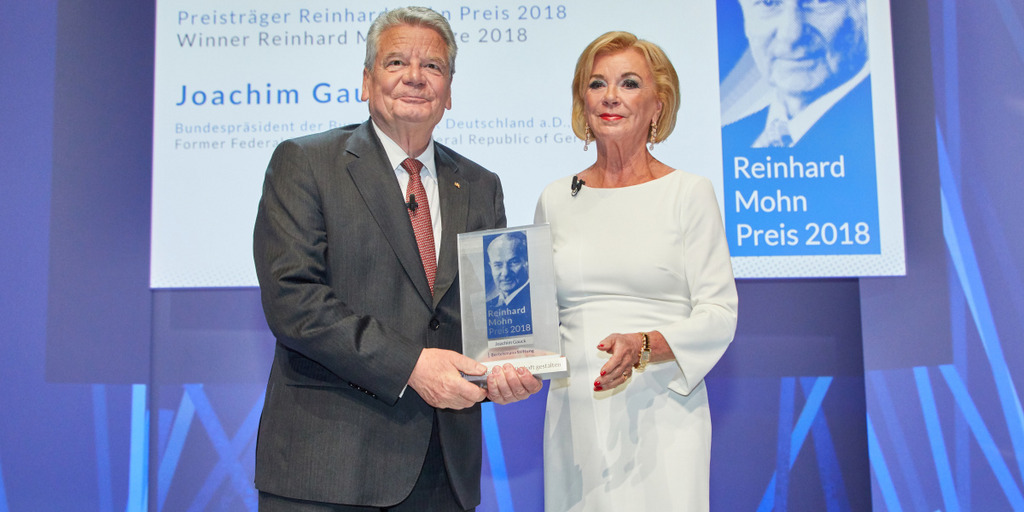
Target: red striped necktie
x,y
419,215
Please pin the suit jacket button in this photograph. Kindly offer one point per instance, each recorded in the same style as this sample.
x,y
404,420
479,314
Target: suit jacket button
x,y
434,324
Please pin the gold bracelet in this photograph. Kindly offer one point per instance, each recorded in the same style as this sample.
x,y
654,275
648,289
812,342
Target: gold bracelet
x,y
645,353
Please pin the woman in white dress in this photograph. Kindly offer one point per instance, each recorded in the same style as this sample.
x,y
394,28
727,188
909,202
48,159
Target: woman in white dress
x,y
646,297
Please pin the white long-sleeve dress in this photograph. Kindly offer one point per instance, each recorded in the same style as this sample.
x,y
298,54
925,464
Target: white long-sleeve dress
x,y
647,257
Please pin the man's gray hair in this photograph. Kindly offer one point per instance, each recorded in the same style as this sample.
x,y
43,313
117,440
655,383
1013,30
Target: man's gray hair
x,y
516,239
416,16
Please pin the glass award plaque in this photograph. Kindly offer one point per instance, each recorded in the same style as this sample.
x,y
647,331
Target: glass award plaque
x,y
509,309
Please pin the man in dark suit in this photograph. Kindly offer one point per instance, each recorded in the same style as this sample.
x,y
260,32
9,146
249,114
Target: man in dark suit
x,y
366,408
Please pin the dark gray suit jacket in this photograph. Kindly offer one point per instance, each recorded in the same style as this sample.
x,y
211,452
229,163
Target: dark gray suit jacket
x,y
345,294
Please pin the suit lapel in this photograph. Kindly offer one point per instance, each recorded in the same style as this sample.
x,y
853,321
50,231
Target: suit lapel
x,y
454,196
373,176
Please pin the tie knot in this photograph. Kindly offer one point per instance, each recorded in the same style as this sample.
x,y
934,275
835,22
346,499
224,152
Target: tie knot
x,y
779,134
412,166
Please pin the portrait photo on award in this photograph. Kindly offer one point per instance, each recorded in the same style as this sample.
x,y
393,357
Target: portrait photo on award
x,y
794,73
507,261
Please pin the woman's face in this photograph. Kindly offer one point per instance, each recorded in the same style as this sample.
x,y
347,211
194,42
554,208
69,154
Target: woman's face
x,y
621,100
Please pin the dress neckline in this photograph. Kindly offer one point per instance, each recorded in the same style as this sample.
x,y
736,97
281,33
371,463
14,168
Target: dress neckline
x,y
637,185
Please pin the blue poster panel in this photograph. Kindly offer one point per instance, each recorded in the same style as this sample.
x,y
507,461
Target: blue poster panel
x,y
800,162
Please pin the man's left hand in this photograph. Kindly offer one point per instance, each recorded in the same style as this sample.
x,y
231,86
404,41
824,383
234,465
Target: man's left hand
x,y
507,384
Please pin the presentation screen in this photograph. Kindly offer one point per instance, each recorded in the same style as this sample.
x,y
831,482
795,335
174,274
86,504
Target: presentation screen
x,y
787,107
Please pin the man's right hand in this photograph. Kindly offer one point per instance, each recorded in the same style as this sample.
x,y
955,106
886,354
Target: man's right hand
x,y
438,380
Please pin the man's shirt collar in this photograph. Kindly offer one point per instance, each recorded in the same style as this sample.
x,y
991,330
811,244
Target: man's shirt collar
x,y
798,125
396,155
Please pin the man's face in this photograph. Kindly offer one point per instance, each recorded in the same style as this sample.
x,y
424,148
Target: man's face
x,y
508,269
409,86
805,48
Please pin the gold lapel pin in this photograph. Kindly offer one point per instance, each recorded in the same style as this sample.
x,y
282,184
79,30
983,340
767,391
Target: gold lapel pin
x,y
457,185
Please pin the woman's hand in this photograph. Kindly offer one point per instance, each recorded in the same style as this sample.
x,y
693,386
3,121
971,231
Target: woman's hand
x,y
625,352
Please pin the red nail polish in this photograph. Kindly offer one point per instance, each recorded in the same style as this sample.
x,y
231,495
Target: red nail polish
x,y
598,388
601,345
603,372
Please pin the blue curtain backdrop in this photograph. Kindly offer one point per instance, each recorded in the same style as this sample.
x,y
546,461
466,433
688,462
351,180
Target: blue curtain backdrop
x,y
838,395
